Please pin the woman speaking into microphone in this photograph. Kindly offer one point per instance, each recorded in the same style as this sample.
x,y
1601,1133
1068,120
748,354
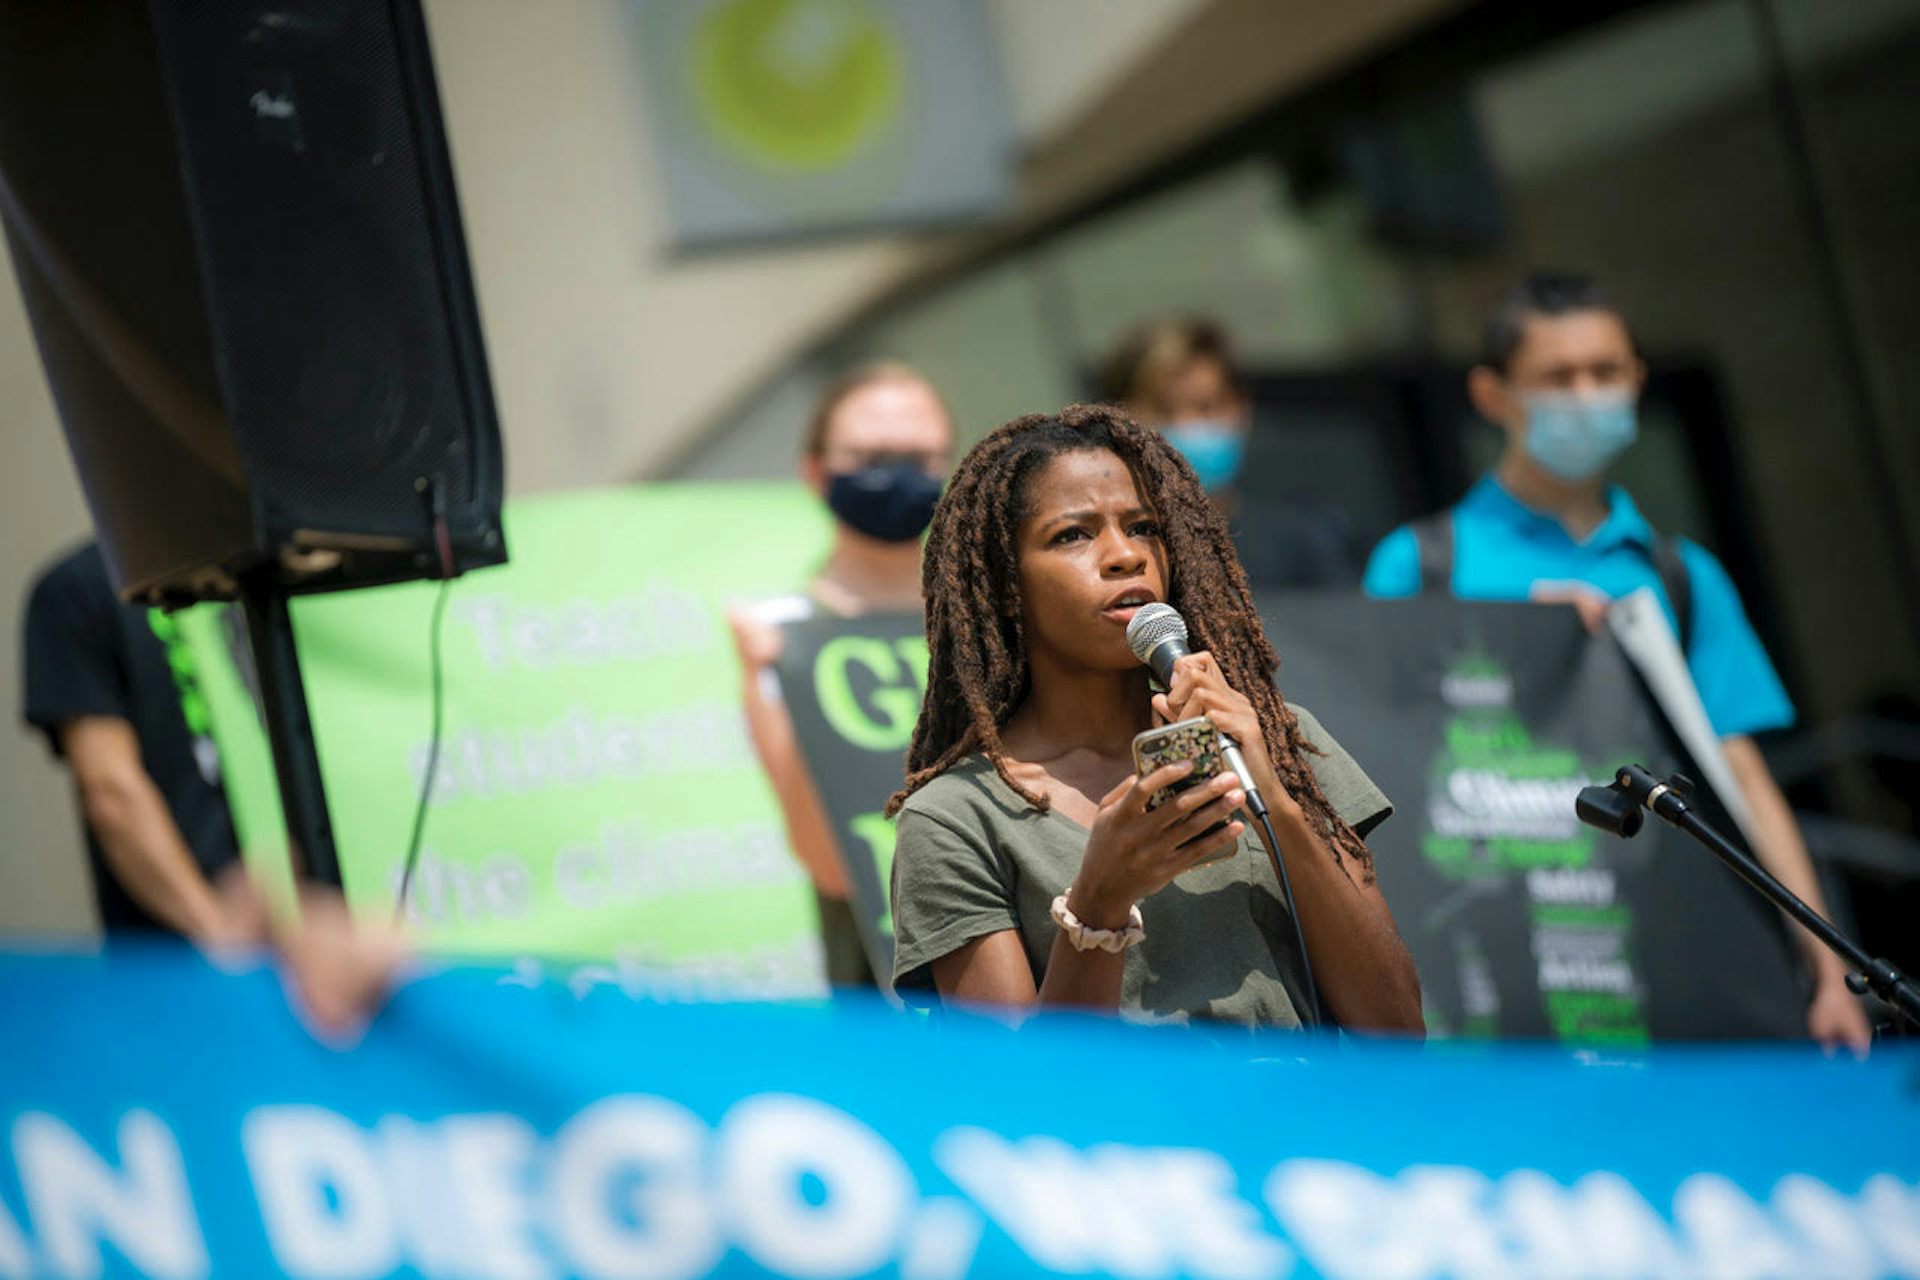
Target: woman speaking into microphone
x,y
1030,870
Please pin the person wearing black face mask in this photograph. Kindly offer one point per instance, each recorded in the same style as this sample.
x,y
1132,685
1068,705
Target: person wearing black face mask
x,y
876,451
889,500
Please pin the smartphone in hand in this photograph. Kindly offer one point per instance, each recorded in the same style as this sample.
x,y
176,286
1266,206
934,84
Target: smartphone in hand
x,y
1197,740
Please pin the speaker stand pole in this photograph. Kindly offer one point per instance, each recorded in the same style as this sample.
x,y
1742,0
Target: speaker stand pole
x,y
283,698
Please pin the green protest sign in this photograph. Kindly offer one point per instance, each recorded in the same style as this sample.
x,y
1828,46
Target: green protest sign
x,y
596,797
854,688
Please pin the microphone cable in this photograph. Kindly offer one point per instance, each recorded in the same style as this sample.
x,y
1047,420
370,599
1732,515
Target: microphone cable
x,y
431,492
1293,910
1157,635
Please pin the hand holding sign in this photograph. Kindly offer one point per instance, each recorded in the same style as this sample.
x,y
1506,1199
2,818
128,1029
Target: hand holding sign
x,y
338,971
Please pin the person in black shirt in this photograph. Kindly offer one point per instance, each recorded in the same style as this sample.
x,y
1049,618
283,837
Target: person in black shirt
x,y
100,685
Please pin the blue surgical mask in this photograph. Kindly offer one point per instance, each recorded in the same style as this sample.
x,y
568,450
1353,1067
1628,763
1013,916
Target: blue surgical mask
x,y
1212,447
892,502
1577,436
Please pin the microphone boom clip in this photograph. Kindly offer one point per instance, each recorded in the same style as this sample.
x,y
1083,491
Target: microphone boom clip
x,y
1620,807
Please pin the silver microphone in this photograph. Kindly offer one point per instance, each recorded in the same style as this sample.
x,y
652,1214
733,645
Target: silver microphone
x,y
1158,637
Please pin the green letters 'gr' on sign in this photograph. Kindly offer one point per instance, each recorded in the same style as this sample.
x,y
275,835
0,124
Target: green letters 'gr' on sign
x,y
854,688
897,668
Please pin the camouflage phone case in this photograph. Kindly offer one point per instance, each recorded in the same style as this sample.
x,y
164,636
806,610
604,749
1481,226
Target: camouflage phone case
x,y
1196,740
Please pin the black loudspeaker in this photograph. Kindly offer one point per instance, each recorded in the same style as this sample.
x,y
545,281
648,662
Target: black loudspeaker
x,y
235,229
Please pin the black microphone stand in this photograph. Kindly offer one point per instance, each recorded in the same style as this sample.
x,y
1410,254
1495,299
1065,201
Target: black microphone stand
x,y
1617,808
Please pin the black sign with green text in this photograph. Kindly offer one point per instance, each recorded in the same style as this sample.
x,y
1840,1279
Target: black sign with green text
x,y
853,687
1481,722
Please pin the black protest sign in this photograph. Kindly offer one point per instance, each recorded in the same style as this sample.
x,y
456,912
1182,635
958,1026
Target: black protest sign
x,y
1482,722
853,687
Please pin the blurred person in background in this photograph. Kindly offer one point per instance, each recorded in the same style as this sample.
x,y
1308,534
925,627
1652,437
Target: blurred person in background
x,y
876,449
101,685
1560,374
1179,375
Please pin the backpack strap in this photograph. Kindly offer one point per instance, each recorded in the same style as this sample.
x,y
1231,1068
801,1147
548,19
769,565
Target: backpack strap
x,y
1433,537
1678,584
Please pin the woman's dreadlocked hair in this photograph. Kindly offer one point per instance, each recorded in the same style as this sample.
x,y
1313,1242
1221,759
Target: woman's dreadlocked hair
x,y
977,669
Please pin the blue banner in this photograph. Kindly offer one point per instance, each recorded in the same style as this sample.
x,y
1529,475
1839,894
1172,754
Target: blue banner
x,y
158,1117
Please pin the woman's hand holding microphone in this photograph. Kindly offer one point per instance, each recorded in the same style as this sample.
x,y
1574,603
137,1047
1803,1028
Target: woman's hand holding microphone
x,y
1135,851
1199,689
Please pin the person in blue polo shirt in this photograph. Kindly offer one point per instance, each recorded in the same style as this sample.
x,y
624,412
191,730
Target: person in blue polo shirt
x,y
1561,376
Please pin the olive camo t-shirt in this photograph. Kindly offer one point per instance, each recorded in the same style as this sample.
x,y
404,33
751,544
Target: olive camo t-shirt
x,y
973,858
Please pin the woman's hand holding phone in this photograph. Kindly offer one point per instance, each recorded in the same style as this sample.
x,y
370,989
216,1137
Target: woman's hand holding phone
x,y
1134,851
1199,689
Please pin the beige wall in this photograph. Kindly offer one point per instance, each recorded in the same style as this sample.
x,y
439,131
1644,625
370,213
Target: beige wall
x,y
609,351
612,355
43,885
